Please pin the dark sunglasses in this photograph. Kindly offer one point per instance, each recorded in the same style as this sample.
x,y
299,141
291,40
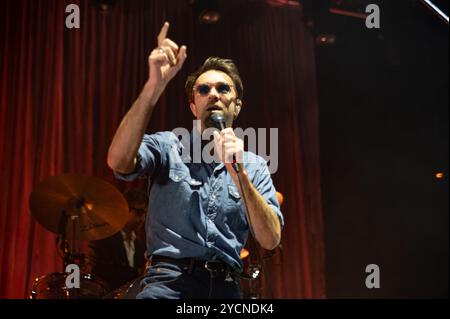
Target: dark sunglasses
x,y
221,88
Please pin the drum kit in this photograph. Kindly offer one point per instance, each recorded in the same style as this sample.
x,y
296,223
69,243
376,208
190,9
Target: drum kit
x,y
77,208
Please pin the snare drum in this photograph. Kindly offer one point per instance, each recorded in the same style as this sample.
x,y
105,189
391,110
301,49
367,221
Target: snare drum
x,y
53,286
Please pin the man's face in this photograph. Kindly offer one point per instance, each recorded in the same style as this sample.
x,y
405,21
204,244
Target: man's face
x,y
214,91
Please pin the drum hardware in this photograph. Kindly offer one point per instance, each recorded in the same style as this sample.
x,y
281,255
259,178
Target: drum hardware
x,y
53,286
76,207
127,291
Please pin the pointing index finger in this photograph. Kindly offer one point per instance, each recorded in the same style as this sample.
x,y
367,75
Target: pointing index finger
x,y
163,33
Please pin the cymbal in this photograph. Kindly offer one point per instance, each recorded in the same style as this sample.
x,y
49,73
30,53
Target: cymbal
x,y
94,208
244,253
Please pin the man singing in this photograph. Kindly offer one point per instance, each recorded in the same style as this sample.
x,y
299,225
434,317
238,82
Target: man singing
x,y
199,213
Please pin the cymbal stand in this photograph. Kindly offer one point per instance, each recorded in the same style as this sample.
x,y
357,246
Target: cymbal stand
x,y
69,247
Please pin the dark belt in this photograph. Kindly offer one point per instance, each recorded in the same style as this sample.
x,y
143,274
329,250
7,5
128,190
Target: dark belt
x,y
191,264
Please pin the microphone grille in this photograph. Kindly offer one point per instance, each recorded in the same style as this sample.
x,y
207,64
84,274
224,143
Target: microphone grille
x,y
218,121
217,117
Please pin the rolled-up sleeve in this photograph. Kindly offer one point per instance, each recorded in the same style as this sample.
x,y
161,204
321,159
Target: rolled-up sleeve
x,y
263,183
148,159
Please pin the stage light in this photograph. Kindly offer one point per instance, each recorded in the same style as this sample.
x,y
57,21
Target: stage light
x,y
326,39
207,11
439,175
209,17
105,5
280,198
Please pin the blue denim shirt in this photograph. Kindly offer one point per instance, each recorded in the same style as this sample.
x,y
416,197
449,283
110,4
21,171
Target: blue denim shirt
x,y
195,209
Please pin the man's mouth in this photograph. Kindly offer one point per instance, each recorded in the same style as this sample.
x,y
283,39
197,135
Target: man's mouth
x,y
214,108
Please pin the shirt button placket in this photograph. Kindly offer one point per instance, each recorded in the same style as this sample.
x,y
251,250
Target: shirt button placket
x,y
210,235
212,211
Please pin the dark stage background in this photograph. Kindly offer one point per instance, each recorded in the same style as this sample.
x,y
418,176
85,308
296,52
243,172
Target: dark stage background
x,y
380,96
383,99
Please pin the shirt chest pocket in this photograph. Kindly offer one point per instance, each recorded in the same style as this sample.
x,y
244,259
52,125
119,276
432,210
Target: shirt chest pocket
x,y
179,188
233,193
183,176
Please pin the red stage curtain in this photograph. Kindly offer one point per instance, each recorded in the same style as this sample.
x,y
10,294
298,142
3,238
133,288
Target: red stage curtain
x,y
64,91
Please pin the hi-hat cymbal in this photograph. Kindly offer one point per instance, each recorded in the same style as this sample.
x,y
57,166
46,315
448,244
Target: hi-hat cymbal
x,y
94,208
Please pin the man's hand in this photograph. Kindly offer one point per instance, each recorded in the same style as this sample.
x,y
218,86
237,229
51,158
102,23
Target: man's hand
x,y
164,62
230,149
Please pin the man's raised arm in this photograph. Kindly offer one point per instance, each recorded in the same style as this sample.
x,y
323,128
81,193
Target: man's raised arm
x,y
164,62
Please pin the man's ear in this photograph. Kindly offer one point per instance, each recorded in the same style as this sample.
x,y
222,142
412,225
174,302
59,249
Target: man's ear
x,y
193,109
237,108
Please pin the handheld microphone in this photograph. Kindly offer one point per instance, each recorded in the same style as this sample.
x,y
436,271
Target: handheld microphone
x,y
219,122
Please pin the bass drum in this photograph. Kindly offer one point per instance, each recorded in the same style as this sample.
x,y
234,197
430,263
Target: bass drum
x,y
128,291
53,286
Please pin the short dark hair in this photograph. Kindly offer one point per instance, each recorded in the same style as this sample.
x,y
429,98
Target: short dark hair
x,y
227,66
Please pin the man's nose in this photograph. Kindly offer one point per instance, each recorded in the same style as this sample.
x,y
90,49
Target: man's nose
x,y
213,94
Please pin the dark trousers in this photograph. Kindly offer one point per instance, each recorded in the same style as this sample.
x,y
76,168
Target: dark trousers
x,y
171,280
